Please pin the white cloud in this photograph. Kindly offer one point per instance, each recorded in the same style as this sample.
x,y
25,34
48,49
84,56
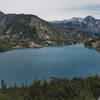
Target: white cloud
x,y
50,9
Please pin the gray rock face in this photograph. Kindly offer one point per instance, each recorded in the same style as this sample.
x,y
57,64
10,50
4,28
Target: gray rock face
x,y
22,30
98,98
3,22
88,23
94,44
31,28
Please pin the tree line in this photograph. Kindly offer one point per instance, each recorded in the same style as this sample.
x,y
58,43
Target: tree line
x,y
76,88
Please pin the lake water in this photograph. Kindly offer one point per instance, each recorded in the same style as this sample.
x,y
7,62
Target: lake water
x,y
21,65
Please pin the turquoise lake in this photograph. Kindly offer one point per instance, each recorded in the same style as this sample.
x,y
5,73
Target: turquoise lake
x,y
21,65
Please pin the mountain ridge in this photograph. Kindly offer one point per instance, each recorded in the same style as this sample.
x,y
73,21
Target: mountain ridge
x,y
26,30
88,23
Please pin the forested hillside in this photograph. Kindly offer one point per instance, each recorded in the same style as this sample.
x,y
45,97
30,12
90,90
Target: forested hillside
x,y
57,89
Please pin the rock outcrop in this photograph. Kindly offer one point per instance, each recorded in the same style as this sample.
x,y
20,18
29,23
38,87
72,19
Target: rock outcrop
x,y
20,30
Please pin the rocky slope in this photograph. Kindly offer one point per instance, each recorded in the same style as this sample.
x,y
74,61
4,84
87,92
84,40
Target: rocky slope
x,y
88,23
22,30
93,44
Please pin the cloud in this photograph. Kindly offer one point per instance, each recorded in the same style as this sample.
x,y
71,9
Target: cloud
x,y
87,7
52,9
93,7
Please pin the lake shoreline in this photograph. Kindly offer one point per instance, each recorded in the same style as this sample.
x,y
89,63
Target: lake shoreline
x,y
35,45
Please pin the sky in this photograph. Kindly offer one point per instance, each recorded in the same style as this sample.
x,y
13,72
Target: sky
x,y
53,9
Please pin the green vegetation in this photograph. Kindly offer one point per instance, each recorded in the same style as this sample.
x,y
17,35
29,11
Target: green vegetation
x,y
6,44
57,89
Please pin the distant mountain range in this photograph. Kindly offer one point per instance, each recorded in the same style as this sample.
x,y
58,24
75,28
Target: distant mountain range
x,y
88,23
23,30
